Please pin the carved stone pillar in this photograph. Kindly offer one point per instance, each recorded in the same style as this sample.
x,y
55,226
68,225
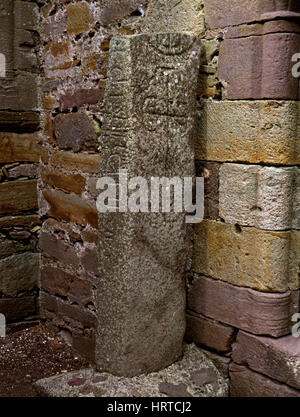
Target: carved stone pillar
x,y
147,131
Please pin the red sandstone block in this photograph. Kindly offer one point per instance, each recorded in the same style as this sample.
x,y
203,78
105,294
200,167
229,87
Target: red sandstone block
x,y
72,316
209,333
58,282
68,182
276,358
220,13
59,249
253,311
80,97
259,67
80,292
71,208
55,280
246,383
75,131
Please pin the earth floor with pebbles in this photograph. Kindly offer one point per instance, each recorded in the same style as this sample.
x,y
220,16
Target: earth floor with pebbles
x,y
34,361
31,354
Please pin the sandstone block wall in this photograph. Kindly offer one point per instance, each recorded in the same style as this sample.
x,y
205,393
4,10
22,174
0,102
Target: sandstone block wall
x,y
244,282
19,158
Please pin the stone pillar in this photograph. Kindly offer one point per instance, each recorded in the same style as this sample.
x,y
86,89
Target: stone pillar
x,y
147,131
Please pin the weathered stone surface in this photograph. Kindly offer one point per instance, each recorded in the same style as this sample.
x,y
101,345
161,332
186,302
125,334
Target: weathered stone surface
x,y
9,247
66,315
147,130
259,29
209,333
115,12
89,163
25,39
7,33
62,229
71,208
19,273
177,378
259,67
294,257
75,131
249,131
253,311
18,196
246,383
19,93
210,172
19,122
80,292
65,181
23,170
79,18
54,27
80,97
227,252
185,16
90,260
59,249
18,89
172,390
263,197
17,308
276,358
22,148
11,221
19,234
221,362
219,13
56,281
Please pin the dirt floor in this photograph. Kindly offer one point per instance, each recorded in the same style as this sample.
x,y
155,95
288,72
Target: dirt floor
x,y
32,354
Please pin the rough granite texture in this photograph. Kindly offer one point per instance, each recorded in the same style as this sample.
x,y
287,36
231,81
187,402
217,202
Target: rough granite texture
x,y
186,16
194,376
147,130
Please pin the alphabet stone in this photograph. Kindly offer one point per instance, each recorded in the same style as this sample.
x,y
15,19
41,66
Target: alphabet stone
x,y
150,103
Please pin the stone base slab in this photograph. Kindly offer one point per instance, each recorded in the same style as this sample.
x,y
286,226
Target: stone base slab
x,y
194,376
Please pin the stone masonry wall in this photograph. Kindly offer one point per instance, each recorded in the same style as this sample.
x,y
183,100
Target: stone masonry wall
x,y
75,36
243,287
19,157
